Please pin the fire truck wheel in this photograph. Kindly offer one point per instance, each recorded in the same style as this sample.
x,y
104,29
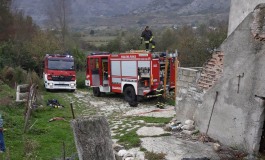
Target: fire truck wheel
x,y
130,96
96,91
133,103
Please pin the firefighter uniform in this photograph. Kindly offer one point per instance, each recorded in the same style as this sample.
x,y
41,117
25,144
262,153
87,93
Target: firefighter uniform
x,y
147,36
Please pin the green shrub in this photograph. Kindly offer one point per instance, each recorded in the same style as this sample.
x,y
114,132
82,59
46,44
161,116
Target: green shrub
x,y
80,80
8,74
20,75
33,77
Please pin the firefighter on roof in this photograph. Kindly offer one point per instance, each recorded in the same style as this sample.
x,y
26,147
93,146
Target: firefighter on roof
x,y
147,36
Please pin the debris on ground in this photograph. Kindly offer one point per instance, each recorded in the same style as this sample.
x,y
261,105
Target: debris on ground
x,y
188,132
187,128
54,103
57,119
122,154
216,147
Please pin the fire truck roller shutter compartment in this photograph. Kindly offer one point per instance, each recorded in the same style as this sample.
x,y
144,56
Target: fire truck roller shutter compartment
x,y
116,76
95,73
129,74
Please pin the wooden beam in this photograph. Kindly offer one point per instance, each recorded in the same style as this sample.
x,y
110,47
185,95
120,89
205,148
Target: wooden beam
x,y
176,78
165,76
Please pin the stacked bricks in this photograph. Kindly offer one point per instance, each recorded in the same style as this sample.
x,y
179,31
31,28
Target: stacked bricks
x,y
211,71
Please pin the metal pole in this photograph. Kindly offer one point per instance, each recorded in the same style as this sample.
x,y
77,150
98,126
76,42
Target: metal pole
x,y
63,151
212,112
72,109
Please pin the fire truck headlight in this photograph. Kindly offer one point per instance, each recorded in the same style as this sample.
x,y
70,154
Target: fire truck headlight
x,y
50,84
72,84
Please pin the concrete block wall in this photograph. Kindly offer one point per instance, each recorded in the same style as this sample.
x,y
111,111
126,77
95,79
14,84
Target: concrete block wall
x,y
188,94
187,77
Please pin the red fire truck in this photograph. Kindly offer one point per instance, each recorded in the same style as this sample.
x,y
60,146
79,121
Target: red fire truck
x,y
59,72
136,74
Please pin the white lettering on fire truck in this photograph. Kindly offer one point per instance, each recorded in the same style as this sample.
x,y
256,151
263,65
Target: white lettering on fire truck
x,y
128,56
143,55
118,88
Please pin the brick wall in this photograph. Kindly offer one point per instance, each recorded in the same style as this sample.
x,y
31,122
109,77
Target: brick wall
x,y
211,71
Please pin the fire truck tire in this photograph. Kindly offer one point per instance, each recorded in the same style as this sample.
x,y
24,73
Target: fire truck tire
x,y
130,96
133,104
96,91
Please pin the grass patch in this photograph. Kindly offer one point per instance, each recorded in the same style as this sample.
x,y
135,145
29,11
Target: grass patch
x,y
155,156
44,140
171,102
130,139
154,119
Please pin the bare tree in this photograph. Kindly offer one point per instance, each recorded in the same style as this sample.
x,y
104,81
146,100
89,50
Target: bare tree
x,y
58,13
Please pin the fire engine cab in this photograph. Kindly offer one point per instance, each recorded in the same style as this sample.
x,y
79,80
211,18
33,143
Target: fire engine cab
x,y
59,72
136,74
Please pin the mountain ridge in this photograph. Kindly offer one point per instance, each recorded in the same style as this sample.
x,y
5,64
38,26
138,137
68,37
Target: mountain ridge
x,y
102,12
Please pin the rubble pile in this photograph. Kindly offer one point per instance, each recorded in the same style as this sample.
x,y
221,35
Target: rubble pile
x,y
187,128
122,154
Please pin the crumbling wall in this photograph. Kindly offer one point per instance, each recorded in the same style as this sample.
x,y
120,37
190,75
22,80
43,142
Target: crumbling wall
x,y
211,71
238,115
239,10
238,93
192,84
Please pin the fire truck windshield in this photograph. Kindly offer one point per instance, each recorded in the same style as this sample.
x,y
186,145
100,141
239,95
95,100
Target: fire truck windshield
x,y
59,64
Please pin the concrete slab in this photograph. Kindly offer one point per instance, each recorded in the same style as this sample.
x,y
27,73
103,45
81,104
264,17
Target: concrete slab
x,y
150,131
97,103
176,149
